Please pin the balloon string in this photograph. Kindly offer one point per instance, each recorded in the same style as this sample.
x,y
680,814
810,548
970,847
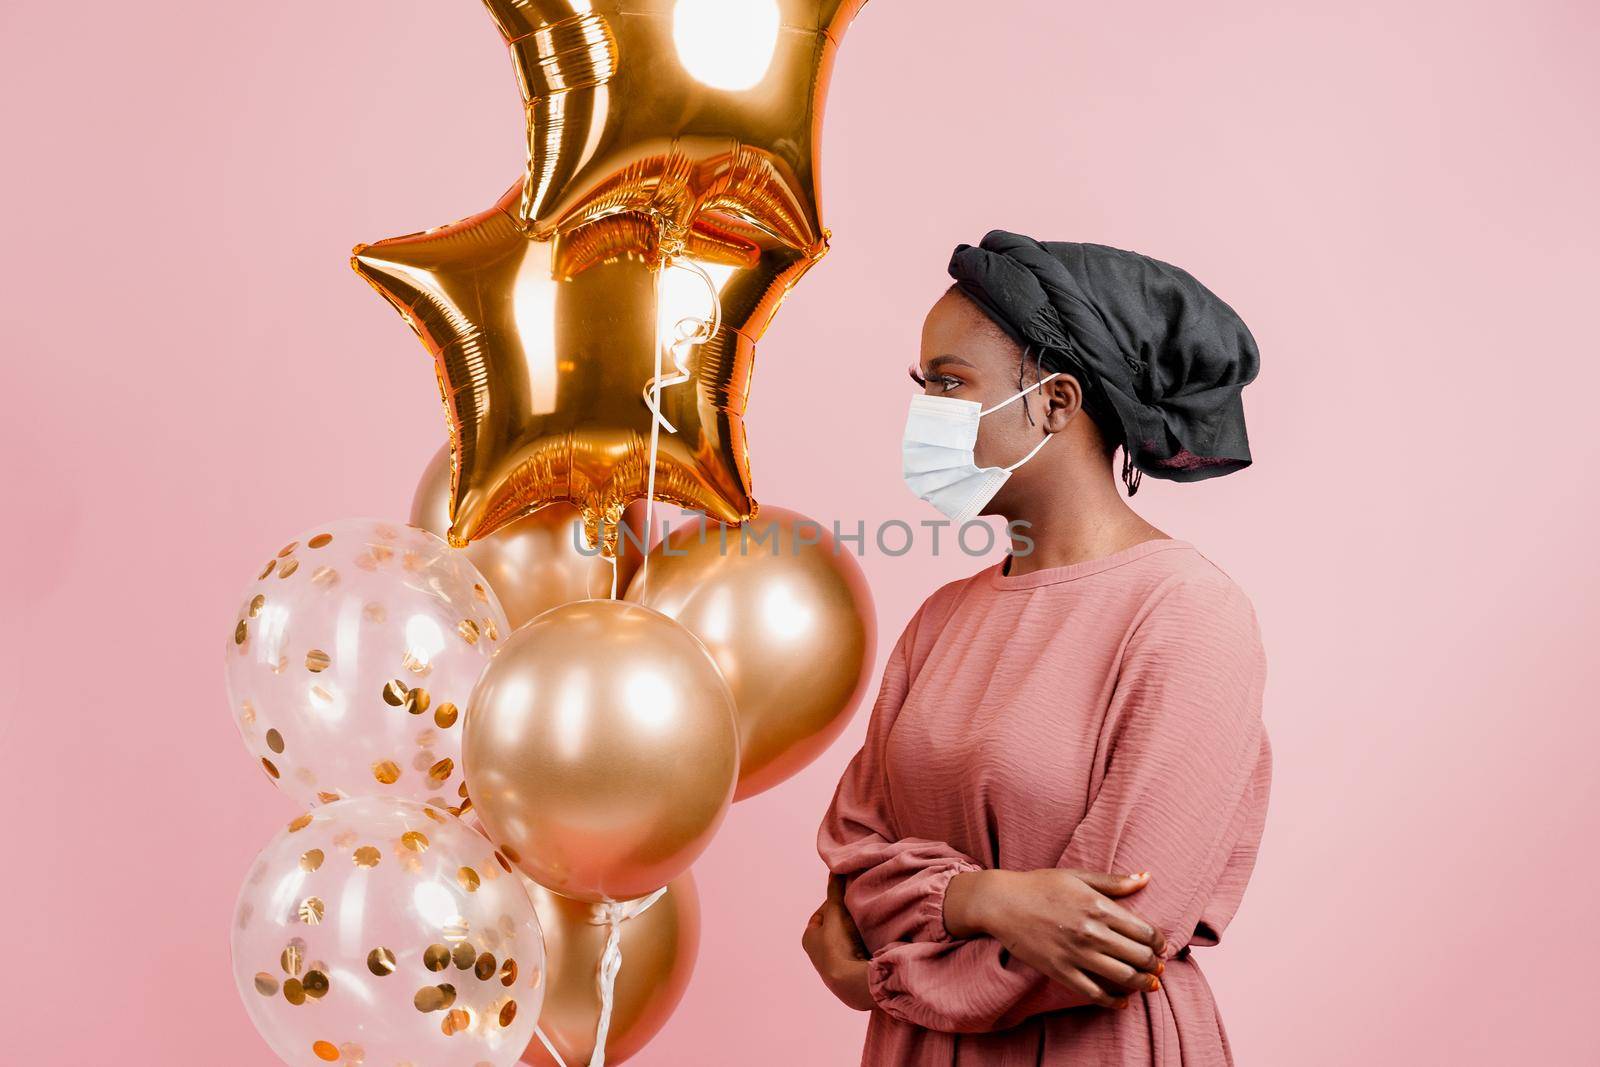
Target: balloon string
x,y
614,569
650,482
538,1032
690,330
613,914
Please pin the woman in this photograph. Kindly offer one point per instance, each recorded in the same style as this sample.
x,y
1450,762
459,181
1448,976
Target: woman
x,y
1065,775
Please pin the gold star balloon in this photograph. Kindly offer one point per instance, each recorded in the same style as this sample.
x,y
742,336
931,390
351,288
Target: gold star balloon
x,y
669,205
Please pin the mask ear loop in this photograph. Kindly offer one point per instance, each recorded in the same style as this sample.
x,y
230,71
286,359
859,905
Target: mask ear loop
x,y
1032,452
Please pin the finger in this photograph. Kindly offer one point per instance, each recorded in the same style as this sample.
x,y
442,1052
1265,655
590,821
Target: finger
x,y
1117,972
1131,924
1116,885
1135,954
1083,983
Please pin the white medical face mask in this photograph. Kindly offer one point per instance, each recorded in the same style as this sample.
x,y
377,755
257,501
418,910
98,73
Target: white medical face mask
x,y
937,458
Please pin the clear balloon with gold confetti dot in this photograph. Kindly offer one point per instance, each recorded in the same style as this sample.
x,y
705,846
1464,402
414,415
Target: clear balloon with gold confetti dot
x,y
382,931
351,659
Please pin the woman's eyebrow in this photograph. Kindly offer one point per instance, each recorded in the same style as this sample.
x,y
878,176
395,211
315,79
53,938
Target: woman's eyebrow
x,y
936,361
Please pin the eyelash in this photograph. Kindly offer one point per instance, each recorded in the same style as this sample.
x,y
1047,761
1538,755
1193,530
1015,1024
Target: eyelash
x,y
922,383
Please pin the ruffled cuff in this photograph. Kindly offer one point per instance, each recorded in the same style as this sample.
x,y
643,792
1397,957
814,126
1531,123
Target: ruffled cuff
x,y
931,913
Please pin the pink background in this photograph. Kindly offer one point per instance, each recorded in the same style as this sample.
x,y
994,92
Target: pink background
x,y
1398,197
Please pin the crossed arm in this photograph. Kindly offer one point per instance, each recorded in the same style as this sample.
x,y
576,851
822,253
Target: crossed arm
x,y
1188,750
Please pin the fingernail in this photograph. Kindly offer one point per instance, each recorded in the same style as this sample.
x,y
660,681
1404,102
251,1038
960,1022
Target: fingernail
x,y
1142,874
1155,984
1161,968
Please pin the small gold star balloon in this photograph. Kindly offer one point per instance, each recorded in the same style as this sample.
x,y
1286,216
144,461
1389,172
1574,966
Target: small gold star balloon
x,y
669,205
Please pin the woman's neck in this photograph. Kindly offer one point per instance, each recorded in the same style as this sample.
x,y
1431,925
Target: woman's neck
x,y
1074,523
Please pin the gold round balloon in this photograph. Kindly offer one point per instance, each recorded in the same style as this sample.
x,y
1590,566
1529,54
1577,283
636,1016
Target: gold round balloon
x,y
787,614
534,563
659,946
600,749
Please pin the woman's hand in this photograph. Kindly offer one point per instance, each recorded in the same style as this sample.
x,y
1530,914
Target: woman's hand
x,y
1064,924
836,950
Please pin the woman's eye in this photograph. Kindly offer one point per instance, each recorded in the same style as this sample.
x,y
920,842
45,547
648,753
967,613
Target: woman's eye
x,y
922,382
947,383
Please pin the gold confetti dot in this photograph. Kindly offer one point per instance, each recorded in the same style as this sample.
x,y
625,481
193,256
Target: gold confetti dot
x,y
444,716
256,603
469,879
289,567
434,997
436,957
321,697
325,577
240,632
300,824
325,1051
266,985
272,565
315,983
469,631
500,858
380,961
417,701
508,972
464,956
394,693
329,798
485,967
374,613
430,813
288,548
311,860
293,992
414,841
386,771
322,540
455,1022
352,1053
275,740
311,911
491,629
508,1013
442,770
416,666
466,806
367,857
317,661
462,790
511,853
272,772
293,957
479,592
247,713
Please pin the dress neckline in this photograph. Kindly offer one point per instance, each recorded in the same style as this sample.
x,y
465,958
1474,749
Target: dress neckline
x,y
1070,571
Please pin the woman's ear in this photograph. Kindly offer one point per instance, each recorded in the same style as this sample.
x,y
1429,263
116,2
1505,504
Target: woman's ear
x,y
1063,398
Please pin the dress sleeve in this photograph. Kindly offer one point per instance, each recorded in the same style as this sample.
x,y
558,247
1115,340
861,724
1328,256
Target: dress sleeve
x,y
894,888
1183,794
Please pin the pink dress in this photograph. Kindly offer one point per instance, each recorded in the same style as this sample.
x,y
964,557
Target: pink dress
x,y
1103,715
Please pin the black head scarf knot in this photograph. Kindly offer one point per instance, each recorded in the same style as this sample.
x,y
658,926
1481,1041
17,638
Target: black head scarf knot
x,y
1162,359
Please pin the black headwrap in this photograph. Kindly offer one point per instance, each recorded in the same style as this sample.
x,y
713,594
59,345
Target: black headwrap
x,y
1162,360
